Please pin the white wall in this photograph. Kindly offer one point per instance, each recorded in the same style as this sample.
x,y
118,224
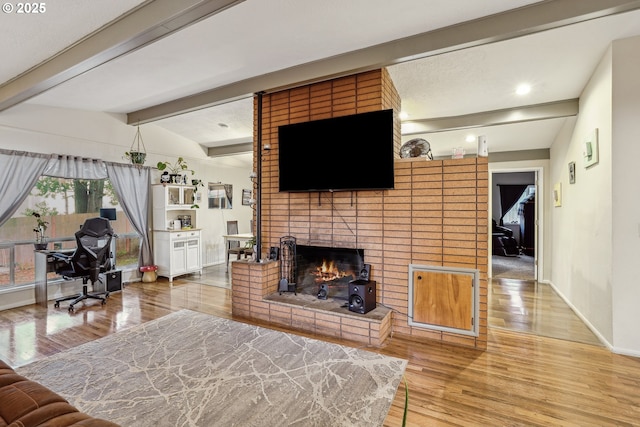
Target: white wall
x,y
581,262
40,129
626,198
595,262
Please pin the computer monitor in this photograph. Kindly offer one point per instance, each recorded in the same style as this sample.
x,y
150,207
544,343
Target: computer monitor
x,y
108,213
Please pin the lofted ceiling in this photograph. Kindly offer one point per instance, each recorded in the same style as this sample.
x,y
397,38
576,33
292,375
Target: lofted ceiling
x,y
191,67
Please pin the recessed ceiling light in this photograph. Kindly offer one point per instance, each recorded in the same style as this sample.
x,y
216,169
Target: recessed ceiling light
x,y
223,125
523,89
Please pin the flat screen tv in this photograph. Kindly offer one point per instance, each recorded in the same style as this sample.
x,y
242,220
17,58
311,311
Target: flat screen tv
x,y
352,152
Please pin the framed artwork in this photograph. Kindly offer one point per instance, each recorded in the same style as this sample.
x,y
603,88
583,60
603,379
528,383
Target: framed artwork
x,y
572,172
246,197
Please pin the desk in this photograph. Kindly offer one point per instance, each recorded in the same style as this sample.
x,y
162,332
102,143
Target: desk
x,y
44,264
242,237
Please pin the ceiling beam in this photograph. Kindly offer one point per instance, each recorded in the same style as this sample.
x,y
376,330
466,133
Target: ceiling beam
x,y
514,156
519,22
551,110
143,25
230,150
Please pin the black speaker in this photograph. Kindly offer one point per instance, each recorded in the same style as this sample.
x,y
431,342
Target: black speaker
x,y
365,273
362,296
114,280
323,291
273,253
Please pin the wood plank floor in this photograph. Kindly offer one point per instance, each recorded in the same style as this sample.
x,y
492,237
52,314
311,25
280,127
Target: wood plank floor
x,y
522,379
529,306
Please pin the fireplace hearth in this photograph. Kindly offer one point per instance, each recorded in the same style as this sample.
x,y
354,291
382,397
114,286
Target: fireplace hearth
x,y
326,272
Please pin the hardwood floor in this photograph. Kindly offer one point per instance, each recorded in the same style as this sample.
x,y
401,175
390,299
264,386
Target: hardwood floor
x,y
532,307
522,379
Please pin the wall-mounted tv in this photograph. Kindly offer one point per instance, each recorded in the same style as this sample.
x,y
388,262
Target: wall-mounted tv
x,y
352,152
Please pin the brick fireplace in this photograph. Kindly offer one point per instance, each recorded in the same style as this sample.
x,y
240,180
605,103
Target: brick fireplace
x,y
437,215
321,268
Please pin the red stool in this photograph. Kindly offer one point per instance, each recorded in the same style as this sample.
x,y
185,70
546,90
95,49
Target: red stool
x,y
149,273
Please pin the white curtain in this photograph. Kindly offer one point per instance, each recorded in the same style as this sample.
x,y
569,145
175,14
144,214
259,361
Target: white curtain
x,y
19,172
131,184
70,167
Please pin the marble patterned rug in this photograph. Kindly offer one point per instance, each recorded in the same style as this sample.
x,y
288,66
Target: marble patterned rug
x,y
194,369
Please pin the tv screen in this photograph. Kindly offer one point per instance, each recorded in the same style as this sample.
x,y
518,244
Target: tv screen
x,y
343,153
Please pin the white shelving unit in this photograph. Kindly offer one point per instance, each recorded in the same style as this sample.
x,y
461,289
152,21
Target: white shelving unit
x,y
176,251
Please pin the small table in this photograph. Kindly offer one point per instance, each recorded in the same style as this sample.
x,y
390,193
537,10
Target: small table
x,y
44,264
242,237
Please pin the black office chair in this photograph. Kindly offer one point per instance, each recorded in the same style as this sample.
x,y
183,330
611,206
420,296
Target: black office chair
x,y
91,257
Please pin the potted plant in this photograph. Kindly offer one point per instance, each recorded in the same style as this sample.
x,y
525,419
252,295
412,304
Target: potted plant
x,y
41,228
196,183
136,157
177,168
251,248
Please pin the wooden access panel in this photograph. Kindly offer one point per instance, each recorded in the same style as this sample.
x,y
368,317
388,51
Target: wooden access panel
x,y
443,299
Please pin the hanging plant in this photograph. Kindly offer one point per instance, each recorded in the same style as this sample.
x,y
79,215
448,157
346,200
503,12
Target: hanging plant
x,y
137,155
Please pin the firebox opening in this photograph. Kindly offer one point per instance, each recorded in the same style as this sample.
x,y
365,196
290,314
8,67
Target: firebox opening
x,y
328,268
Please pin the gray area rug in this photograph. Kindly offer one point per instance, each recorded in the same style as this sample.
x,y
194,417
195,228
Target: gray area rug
x,y
193,369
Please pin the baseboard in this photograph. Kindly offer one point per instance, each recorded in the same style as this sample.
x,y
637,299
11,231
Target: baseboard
x,y
592,328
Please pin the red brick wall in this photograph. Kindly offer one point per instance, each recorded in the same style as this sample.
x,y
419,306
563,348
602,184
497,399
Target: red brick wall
x,y
437,215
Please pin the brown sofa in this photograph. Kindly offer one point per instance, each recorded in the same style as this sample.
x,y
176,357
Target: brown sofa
x,y
25,403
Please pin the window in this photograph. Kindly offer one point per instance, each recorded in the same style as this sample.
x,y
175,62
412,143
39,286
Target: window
x,y
513,216
63,206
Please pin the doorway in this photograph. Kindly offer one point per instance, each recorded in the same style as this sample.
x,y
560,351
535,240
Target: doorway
x,y
514,224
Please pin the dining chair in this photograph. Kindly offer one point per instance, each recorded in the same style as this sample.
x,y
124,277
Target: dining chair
x,y
233,246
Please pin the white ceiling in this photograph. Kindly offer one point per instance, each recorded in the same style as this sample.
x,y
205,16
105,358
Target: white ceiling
x,y
258,38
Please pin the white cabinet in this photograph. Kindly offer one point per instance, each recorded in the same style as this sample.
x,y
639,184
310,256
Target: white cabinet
x,y
192,258
173,202
177,252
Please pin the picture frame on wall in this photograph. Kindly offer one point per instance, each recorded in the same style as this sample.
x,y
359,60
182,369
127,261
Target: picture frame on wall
x,y
246,197
572,172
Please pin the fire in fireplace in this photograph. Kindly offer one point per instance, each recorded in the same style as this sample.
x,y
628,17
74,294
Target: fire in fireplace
x,y
328,269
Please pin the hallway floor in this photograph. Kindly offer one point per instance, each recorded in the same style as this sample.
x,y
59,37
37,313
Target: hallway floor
x,y
532,307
